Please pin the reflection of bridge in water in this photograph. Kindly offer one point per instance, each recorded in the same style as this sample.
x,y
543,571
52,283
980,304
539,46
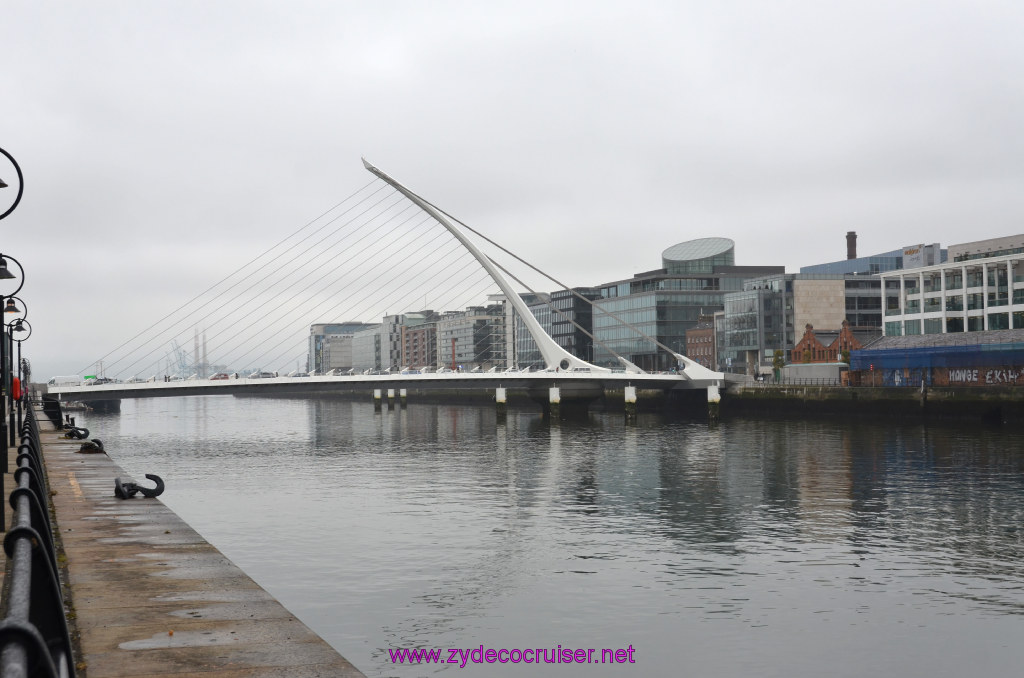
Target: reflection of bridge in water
x,y
564,379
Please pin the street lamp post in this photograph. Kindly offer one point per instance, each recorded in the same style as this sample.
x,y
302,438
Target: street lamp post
x,y
5,301
5,388
12,307
5,274
19,326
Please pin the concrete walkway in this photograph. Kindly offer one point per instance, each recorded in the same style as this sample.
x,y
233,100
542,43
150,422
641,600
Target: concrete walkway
x,y
152,598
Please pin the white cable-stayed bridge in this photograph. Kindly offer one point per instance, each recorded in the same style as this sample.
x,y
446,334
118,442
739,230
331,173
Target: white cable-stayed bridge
x,y
383,250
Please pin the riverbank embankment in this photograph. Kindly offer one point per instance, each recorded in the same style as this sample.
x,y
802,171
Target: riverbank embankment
x,y
149,596
990,404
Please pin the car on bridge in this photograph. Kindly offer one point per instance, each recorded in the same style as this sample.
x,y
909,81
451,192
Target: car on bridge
x,y
220,375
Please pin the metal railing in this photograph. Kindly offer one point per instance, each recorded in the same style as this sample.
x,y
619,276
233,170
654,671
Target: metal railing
x,y
52,409
795,381
34,637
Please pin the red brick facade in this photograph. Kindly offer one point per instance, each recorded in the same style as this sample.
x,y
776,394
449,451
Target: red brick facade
x,y
700,345
824,346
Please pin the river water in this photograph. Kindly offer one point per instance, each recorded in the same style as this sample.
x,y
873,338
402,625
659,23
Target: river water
x,y
755,548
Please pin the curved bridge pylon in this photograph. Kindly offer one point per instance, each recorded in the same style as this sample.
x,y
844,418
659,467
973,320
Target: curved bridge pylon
x,y
554,355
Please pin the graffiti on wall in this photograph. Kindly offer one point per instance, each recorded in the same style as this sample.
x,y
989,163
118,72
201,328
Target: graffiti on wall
x,y
987,376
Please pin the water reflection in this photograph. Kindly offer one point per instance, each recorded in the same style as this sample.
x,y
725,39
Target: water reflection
x,y
440,526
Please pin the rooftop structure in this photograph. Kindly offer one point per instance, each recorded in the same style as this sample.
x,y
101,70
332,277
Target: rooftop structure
x,y
986,249
698,256
908,256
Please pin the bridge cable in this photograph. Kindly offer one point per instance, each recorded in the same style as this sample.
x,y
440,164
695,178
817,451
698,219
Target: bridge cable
x,y
438,296
557,282
368,283
564,315
549,277
245,305
257,258
278,296
455,247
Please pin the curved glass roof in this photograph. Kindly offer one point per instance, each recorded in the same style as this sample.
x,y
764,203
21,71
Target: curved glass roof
x,y
701,248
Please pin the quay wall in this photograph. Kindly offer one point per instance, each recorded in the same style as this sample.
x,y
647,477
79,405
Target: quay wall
x,y
994,404
147,595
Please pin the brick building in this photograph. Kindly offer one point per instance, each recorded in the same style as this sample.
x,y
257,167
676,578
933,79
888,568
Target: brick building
x,y
700,343
827,346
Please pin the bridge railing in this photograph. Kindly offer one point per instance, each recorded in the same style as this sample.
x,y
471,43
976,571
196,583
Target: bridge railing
x,y
795,381
34,638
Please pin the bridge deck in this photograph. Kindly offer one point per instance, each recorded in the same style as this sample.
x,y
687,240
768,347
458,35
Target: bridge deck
x,y
324,384
152,597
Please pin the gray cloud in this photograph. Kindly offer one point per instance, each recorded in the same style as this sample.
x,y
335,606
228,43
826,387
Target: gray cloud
x,y
164,144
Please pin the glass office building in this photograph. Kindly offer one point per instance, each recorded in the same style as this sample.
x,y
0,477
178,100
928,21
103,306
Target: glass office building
x,y
663,304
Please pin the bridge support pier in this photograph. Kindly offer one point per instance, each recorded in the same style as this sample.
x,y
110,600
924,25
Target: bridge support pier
x,y
376,400
555,403
501,401
391,398
714,399
566,400
403,397
630,403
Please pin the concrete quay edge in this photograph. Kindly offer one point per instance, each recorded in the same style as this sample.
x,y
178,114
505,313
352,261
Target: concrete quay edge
x,y
151,597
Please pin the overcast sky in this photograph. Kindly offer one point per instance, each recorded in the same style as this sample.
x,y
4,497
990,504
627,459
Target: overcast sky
x,y
166,143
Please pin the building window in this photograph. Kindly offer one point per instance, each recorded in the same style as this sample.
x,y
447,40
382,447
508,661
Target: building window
x,y
933,326
1018,320
997,277
997,299
954,325
975,323
955,303
999,321
894,329
913,327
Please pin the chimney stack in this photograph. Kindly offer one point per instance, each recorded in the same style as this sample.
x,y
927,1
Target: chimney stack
x,y
851,244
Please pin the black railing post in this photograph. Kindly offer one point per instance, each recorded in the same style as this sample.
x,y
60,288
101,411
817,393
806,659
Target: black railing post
x,y
34,638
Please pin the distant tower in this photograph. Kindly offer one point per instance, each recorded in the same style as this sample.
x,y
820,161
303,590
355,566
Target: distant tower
x,y
851,244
